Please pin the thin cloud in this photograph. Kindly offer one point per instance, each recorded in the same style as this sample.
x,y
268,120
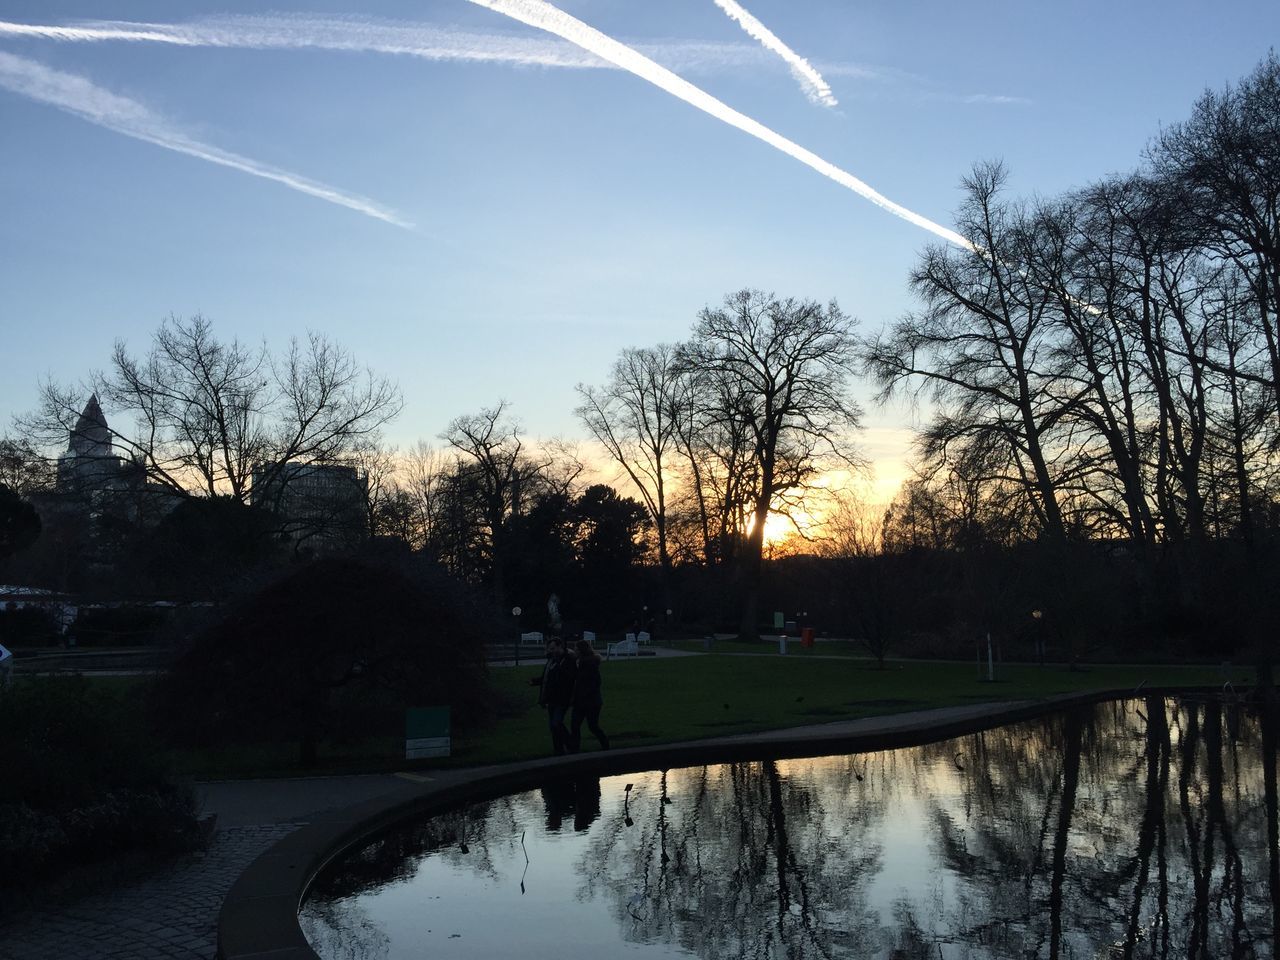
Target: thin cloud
x,y
319,33
815,88
363,35
435,43
79,96
999,98
425,41
544,16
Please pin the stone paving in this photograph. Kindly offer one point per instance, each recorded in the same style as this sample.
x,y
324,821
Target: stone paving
x,y
169,915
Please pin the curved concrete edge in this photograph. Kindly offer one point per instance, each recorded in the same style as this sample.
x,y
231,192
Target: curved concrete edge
x,y
259,917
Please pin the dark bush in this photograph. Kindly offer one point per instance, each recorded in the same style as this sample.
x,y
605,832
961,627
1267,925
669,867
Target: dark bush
x,y
28,627
119,626
333,649
82,779
205,548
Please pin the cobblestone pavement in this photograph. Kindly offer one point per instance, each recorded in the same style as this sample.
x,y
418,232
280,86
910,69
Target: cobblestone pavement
x,y
169,915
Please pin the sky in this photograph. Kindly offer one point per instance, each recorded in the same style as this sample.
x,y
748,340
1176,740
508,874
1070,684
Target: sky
x,y
480,210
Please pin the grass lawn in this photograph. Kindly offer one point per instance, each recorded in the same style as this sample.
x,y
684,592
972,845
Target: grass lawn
x,y
661,700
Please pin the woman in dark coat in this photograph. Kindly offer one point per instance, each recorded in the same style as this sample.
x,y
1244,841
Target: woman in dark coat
x,y
587,698
557,683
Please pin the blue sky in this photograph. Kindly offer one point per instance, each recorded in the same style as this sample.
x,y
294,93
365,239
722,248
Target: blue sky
x,y
560,214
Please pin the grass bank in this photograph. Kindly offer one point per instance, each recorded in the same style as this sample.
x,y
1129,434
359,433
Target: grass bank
x,y
663,700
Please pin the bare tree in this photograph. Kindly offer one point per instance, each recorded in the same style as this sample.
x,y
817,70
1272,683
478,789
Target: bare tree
x,y
635,416
23,468
497,478
424,470
981,344
386,503
204,416
1223,161
852,527
775,371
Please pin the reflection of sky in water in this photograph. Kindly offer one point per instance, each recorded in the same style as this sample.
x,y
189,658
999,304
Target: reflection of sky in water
x,y
972,848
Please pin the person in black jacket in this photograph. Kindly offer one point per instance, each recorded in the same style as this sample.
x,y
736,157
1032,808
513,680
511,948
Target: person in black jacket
x,y
587,697
557,683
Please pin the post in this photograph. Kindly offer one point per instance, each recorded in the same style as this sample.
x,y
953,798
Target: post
x,y
991,667
515,612
782,642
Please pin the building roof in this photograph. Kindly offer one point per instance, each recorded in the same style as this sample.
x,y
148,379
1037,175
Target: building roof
x,y
91,436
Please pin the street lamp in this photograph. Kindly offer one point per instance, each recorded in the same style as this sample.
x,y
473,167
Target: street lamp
x,y
515,612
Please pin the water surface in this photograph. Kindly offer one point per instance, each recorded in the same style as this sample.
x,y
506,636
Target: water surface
x,y
1144,828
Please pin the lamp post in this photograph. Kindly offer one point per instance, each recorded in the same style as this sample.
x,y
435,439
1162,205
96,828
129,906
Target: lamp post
x,y
1038,616
515,612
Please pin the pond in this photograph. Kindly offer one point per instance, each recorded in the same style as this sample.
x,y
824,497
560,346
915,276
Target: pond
x,y
1131,829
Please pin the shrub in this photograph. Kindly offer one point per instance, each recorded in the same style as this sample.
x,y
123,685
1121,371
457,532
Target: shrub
x,y
28,627
118,626
333,649
82,779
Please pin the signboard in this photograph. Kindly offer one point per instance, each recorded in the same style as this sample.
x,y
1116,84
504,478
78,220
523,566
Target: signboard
x,y
426,732
779,619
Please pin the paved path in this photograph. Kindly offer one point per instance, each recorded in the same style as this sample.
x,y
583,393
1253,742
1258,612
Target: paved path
x,y
172,914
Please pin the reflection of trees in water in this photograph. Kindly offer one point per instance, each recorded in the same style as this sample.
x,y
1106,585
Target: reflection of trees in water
x,y
1130,830
1141,830
394,857
742,860
337,925
343,931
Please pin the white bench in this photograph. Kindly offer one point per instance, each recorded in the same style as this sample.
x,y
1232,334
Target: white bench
x,y
643,636
589,636
531,638
623,648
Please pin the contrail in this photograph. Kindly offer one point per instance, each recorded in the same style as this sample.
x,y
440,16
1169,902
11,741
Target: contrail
x,y
544,16
432,43
350,34
336,33
79,96
815,88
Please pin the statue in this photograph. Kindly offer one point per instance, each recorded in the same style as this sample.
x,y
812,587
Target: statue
x,y
553,613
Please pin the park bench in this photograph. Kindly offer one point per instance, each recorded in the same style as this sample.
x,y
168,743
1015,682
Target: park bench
x,y
623,648
643,637
533,637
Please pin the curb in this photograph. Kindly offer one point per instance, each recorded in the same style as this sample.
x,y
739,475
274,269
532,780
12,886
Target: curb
x,y
259,916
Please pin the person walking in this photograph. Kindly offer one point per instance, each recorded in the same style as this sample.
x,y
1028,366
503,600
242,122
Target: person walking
x,y
588,697
557,683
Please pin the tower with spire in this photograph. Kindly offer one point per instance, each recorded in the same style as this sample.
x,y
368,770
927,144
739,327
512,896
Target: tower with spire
x,y
89,463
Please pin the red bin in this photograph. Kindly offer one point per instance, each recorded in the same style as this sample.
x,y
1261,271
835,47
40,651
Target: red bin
x,y
806,636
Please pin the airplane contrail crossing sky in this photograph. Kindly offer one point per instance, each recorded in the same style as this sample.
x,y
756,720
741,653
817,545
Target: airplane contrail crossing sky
x,y
82,98
544,16
815,88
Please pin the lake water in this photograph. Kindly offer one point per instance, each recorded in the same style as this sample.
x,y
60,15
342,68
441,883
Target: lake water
x,y
1132,829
